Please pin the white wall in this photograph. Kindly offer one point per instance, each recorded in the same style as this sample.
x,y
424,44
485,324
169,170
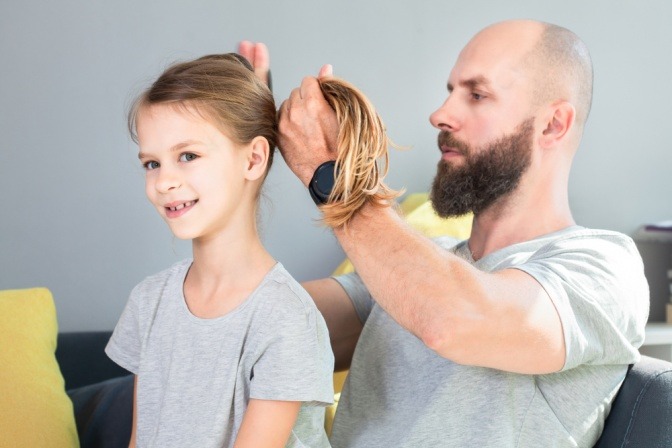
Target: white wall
x,y
73,216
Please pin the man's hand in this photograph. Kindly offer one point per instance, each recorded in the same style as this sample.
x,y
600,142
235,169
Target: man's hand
x,y
308,128
259,57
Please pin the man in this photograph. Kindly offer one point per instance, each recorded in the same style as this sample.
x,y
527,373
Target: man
x,y
519,336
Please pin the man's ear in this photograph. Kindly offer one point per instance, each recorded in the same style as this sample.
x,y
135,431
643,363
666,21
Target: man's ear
x,y
558,122
257,158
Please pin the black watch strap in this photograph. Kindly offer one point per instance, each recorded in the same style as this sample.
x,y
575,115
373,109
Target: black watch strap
x,y
322,183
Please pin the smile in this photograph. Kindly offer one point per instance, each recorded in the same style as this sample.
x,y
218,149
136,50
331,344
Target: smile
x,y
177,209
181,206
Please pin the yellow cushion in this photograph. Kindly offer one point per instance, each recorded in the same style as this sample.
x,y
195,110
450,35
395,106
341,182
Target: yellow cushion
x,y
419,214
35,411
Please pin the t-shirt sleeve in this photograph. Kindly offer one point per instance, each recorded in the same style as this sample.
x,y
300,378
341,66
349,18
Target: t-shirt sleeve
x,y
294,361
125,344
359,295
598,287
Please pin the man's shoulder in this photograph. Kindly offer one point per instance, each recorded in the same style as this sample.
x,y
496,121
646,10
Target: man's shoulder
x,y
448,242
585,239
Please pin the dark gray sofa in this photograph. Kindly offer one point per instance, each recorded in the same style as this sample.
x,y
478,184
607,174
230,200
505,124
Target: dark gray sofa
x,y
102,396
100,390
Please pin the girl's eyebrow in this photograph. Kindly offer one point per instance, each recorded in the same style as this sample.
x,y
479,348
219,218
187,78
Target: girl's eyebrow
x,y
176,147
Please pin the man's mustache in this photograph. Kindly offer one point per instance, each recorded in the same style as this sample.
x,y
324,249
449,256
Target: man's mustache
x,y
446,138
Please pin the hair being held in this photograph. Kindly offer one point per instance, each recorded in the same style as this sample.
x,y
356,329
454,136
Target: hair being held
x,y
362,142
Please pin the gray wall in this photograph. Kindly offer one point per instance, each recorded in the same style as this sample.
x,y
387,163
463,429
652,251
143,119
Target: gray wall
x,y
73,216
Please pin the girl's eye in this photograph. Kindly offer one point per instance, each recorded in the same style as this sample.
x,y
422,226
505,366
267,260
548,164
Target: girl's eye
x,y
188,157
151,165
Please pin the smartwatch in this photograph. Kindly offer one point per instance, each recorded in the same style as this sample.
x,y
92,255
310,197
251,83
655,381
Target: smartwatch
x,y
322,183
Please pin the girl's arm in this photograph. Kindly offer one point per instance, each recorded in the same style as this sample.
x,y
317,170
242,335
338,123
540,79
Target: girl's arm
x,y
131,444
267,424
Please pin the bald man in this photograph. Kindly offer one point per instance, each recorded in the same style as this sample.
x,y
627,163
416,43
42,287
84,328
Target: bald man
x,y
519,336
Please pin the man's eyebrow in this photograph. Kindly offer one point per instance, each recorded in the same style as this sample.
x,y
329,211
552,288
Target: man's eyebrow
x,y
176,147
471,83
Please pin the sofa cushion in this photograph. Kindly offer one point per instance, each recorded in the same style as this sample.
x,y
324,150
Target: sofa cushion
x,y
104,412
35,409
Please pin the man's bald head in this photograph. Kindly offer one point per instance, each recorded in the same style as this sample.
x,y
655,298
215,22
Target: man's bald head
x,y
562,69
554,60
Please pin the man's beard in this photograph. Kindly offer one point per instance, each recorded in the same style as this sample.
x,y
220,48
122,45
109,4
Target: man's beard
x,y
488,174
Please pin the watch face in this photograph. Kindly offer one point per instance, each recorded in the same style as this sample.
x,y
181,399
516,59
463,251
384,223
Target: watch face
x,y
322,182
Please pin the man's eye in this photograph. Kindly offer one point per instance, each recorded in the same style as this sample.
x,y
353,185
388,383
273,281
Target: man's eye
x,y
151,165
188,157
477,96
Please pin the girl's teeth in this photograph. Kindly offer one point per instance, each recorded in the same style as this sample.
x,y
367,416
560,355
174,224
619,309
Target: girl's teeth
x,y
181,206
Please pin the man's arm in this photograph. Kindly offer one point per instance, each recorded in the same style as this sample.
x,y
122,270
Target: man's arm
x,y
341,318
502,320
267,424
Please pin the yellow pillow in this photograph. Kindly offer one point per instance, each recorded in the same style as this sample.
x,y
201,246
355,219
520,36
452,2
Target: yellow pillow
x,y
35,411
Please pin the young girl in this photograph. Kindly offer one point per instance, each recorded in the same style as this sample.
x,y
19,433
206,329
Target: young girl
x,y
228,349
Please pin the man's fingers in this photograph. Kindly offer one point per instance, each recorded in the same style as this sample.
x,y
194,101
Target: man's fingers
x,y
261,59
326,70
283,112
258,56
246,50
310,88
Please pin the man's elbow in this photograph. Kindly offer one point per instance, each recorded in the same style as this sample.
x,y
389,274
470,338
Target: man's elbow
x,y
447,341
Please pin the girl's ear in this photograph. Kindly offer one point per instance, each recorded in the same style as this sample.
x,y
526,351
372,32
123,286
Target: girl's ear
x,y
558,122
257,158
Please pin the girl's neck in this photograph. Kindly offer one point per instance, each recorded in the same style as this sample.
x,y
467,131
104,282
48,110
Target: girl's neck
x,y
230,255
227,268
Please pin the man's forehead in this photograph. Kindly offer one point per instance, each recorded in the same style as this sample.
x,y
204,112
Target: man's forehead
x,y
487,63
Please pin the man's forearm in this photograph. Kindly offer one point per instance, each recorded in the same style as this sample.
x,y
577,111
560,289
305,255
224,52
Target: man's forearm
x,y
407,274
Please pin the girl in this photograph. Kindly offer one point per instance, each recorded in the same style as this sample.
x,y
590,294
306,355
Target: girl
x,y
227,348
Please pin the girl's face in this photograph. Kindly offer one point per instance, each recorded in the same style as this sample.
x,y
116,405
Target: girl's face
x,y
196,176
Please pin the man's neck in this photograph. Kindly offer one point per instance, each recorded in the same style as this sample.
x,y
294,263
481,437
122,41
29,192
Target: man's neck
x,y
502,224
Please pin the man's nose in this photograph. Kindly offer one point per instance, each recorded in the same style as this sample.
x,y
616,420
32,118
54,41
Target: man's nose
x,y
445,117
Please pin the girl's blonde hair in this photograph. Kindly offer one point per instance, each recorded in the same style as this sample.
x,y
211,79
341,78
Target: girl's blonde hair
x,y
362,143
222,88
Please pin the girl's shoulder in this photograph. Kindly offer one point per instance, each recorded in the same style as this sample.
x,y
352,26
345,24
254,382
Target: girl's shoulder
x,y
284,293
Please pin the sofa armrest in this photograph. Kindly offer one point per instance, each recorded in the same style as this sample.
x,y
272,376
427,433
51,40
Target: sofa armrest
x,y
82,359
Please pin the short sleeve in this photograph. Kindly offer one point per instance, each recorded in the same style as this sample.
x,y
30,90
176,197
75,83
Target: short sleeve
x,y
598,287
359,295
294,360
125,344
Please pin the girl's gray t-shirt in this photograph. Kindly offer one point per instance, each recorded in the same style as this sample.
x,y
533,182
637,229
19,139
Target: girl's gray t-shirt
x,y
400,393
195,376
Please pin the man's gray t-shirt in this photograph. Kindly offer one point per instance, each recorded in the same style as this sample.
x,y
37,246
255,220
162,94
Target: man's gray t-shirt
x,y
196,376
400,393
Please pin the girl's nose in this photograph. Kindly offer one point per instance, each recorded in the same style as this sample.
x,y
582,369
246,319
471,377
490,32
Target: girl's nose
x,y
167,180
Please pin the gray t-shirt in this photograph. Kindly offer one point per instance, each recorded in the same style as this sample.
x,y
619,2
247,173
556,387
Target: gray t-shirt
x,y
196,376
400,393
